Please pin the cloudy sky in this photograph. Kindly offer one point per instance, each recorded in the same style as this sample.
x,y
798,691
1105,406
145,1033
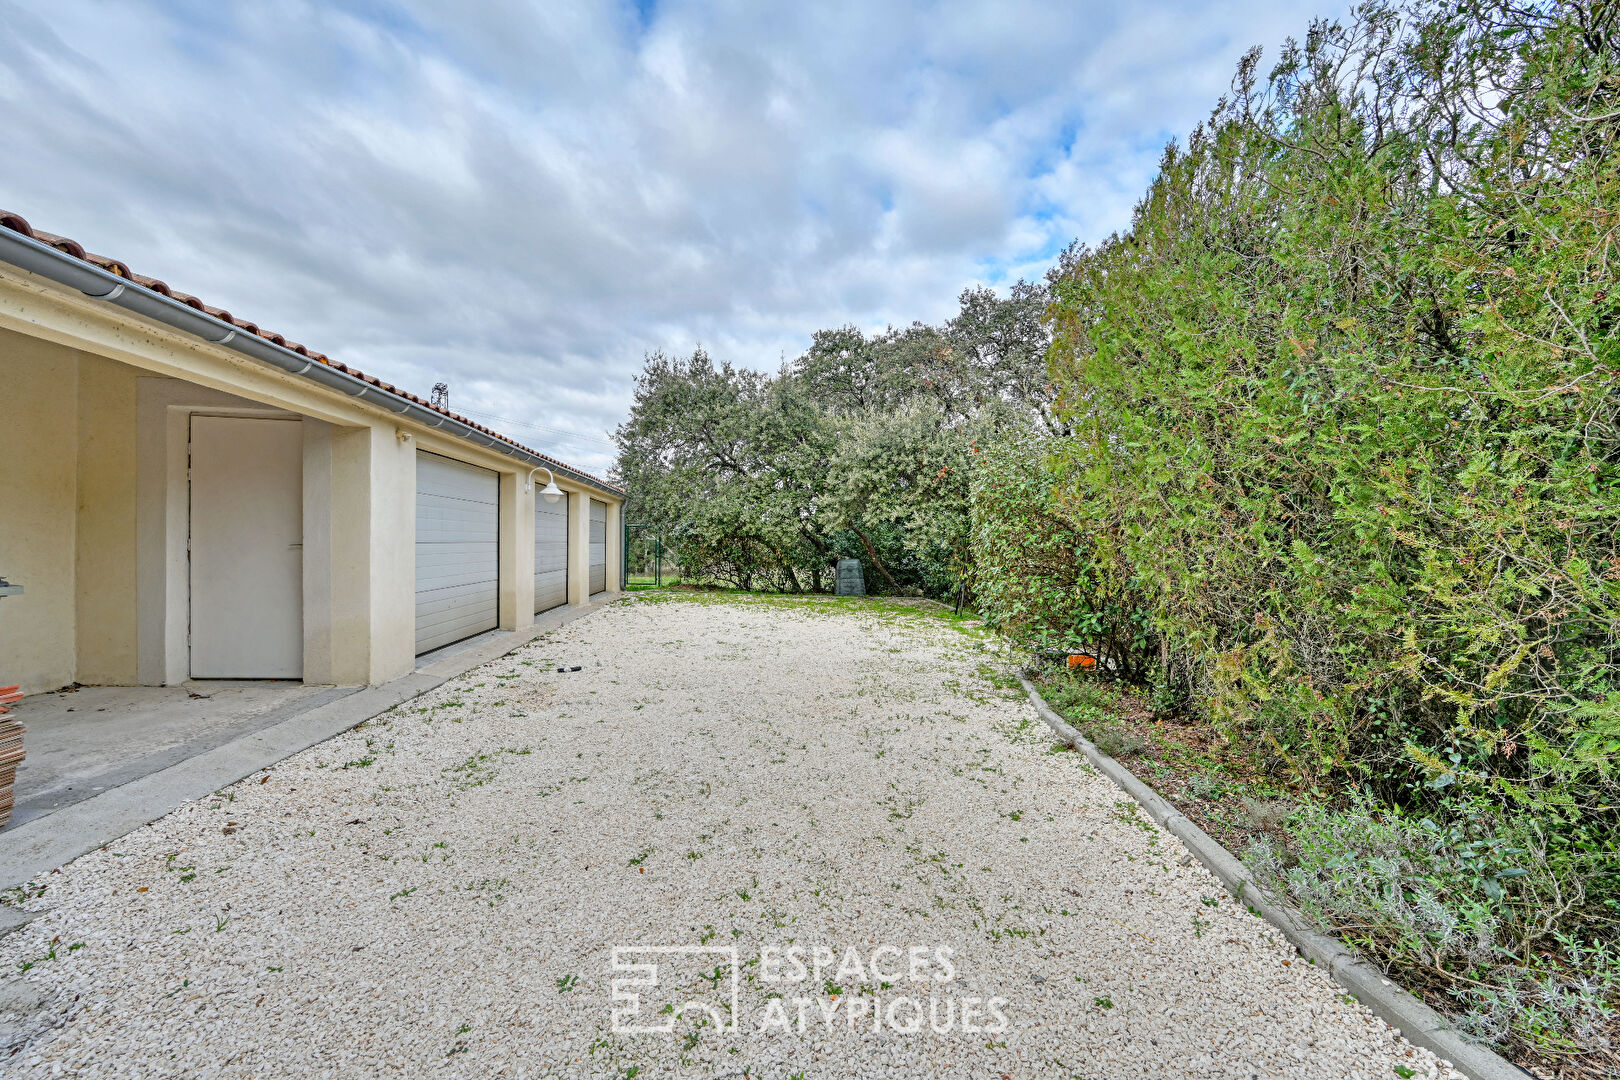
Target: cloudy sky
x,y
521,199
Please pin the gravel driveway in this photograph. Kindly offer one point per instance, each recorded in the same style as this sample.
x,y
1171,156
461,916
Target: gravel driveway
x,y
813,784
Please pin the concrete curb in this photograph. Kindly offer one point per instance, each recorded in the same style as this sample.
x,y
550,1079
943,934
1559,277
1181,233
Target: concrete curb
x,y
41,844
15,919
1410,1017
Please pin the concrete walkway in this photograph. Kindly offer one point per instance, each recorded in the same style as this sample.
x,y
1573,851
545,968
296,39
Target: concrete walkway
x,y
105,760
87,740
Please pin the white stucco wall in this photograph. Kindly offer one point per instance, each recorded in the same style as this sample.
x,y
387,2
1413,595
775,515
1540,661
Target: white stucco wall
x,y
104,541
38,492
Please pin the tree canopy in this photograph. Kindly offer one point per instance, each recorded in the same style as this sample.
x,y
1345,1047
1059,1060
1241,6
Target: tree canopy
x,y
857,448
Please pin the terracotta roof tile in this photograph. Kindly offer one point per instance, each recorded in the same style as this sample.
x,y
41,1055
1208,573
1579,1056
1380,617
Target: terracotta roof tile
x,y
17,223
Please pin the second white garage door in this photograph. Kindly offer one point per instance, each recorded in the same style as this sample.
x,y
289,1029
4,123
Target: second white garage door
x,y
598,547
458,551
550,553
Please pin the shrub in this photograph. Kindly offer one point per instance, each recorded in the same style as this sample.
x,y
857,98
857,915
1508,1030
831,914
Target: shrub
x,y
1117,742
1473,911
1040,579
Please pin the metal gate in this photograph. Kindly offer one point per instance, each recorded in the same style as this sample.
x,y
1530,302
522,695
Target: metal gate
x,y
598,547
458,550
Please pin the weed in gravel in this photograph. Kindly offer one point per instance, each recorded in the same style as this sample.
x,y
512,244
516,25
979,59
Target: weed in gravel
x,y
494,889
18,895
50,954
476,771
1127,812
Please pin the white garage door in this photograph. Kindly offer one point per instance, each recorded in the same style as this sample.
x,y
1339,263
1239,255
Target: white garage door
x,y
598,547
458,550
550,553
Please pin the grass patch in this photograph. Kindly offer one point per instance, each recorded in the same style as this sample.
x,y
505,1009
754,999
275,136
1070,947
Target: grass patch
x,y
1215,784
887,608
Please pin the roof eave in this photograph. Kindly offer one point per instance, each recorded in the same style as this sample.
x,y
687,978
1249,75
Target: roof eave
x,y
65,268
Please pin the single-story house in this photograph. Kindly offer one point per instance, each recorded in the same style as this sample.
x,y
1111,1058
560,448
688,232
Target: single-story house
x,y
186,495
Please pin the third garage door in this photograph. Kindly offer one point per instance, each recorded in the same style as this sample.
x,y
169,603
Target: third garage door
x,y
598,547
458,550
550,553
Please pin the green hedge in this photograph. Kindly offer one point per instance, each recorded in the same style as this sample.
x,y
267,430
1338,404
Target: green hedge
x,y
1345,402
1343,472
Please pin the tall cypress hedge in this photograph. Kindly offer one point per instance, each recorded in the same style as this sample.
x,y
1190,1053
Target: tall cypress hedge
x,y
1344,398
1343,478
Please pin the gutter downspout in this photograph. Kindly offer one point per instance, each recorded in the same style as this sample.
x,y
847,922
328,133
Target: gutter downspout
x,y
40,258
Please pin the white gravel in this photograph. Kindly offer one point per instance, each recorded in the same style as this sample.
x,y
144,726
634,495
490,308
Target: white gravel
x,y
439,891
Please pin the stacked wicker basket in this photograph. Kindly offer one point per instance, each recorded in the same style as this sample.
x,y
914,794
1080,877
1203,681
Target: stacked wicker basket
x,y
11,751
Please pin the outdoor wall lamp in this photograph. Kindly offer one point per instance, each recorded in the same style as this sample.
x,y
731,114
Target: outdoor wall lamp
x,y
551,491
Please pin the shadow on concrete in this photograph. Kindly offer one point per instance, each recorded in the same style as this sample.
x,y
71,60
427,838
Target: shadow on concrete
x,y
83,741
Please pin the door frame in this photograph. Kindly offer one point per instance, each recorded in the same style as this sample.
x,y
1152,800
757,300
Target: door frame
x,y
163,517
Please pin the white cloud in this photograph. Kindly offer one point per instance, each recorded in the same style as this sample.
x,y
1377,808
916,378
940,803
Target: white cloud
x,y
521,199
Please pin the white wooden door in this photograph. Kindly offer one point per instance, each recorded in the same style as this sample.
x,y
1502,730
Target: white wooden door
x,y
247,558
458,550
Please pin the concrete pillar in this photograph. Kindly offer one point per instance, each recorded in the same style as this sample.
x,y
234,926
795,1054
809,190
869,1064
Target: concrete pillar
x,y
105,562
38,519
346,637
615,545
359,554
317,494
517,553
358,650
393,554
579,547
